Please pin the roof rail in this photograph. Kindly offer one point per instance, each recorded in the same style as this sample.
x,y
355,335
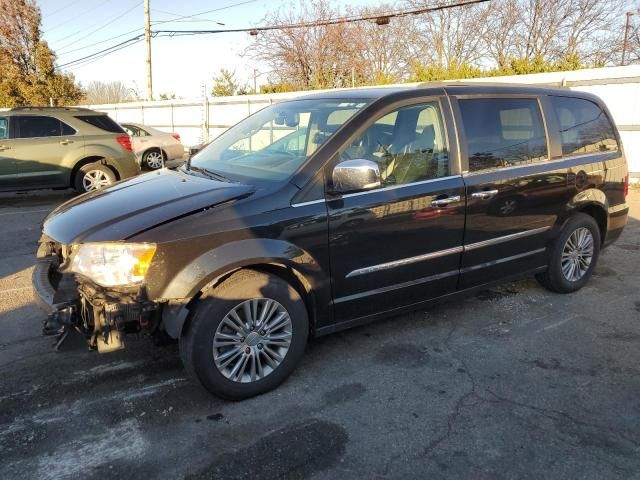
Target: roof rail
x,y
70,109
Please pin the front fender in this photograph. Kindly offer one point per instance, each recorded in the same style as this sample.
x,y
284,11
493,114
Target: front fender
x,y
206,268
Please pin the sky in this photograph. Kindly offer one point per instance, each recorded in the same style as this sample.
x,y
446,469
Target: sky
x,y
181,65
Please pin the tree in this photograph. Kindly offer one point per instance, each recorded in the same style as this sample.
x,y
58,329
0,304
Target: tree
x,y
314,57
554,30
451,36
224,84
382,48
29,75
99,93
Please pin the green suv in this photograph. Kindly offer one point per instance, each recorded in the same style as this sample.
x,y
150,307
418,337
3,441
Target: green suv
x,y
44,147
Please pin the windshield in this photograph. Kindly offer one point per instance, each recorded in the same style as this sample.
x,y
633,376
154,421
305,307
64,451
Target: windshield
x,y
272,144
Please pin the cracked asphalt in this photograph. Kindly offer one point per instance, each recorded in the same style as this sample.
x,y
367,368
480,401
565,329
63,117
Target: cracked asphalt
x,y
515,382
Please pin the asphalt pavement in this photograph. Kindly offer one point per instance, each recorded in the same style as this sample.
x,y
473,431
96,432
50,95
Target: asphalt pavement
x,y
515,382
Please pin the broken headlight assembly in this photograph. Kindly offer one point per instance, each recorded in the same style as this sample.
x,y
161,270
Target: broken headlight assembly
x,y
113,264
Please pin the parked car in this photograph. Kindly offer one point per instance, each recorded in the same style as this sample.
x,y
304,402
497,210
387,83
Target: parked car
x,y
153,146
248,250
44,147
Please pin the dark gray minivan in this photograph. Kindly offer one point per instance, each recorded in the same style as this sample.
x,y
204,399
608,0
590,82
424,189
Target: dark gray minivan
x,y
327,211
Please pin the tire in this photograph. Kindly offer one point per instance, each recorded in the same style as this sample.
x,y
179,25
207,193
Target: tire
x,y
555,278
154,159
93,176
211,320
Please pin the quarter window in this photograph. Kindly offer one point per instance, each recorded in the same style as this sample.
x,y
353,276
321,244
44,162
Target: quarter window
x,y
102,122
37,126
584,127
408,145
503,132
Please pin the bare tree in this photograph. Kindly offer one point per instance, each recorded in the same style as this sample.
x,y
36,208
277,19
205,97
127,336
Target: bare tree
x,y
382,48
451,36
500,37
99,93
313,57
553,30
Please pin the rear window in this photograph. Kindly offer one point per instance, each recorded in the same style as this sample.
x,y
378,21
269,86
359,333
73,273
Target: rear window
x,y
502,132
102,122
584,127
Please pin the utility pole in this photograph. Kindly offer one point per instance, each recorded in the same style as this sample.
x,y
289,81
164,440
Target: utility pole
x,y
626,37
147,39
255,81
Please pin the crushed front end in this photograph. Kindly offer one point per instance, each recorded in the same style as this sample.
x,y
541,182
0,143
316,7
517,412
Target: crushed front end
x,y
102,314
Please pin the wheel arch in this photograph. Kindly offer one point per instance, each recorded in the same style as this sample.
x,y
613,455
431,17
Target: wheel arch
x,y
154,148
286,261
91,159
594,203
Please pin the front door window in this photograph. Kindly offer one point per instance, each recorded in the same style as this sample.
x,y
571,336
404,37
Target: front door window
x,y
408,144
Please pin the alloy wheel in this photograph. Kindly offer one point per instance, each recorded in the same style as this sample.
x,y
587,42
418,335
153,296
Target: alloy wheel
x,y
94,180
577,254
252,340
154,160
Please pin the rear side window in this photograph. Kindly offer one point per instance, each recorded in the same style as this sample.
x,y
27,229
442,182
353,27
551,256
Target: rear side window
x,y
38,126
134,131
4,128
584,127
502,132
102,122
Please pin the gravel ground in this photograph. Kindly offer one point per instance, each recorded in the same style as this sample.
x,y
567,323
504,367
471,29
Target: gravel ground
x,y
513,383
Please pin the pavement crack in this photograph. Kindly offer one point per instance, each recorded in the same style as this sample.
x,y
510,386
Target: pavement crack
x,y
460,403
556,414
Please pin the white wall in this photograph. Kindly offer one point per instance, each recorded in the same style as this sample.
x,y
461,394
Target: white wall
x,y
203,119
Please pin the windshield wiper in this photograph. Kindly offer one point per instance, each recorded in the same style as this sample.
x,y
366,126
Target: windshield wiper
x,y
209,173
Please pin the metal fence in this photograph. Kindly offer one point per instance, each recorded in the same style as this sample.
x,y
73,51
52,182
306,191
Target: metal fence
x,y
198,121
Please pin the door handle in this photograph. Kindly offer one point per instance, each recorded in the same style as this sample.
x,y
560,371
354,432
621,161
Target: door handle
x,y
484,194
443,202
2,148
65,142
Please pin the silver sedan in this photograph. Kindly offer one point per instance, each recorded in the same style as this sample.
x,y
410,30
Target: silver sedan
x,y
152,146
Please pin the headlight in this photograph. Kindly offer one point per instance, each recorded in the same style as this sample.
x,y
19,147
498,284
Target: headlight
x,y
113,264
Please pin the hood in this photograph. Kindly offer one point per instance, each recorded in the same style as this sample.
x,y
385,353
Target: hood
x,y
135,205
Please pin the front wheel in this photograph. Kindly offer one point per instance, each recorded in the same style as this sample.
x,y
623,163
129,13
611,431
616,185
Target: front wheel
x,y
93,176
573,255
246,336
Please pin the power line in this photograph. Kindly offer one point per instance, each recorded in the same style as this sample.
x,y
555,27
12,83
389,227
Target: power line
x,y
95,59
49,15
75,17
136,5
111,49
99,42
182,17
341,20
255,30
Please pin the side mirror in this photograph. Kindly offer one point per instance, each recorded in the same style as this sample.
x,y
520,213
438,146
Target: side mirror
x,y
355,175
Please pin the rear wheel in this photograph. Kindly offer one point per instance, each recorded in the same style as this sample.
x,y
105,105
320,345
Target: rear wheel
x,y
573,255
246,336
93,176
153,159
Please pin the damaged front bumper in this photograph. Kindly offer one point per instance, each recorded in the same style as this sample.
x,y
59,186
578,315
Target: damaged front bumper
x,y
101,315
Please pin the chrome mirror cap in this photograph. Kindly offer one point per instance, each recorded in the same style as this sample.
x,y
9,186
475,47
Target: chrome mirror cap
x,y
355,175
